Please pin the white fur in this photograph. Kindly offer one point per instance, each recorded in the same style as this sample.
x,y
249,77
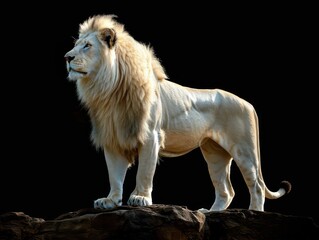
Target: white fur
x,y
136,112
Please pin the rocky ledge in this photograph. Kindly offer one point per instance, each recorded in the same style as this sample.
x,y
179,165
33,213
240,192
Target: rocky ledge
x,y
158,222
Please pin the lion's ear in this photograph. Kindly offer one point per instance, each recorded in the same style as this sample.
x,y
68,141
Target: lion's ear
x,y
109,36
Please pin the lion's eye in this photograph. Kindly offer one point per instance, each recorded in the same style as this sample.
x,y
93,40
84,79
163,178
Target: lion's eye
x,y
86,46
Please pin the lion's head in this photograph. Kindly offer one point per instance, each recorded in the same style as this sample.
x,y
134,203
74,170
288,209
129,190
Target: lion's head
x,y
92,49
116,79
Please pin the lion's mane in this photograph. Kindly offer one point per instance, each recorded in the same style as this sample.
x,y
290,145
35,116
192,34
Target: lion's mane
x,y
120,96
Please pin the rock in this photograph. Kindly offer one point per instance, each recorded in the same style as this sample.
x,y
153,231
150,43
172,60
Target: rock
x,y
243,224
158,222
17,225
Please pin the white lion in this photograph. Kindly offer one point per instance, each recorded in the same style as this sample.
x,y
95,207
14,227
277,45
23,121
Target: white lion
x,y
136,113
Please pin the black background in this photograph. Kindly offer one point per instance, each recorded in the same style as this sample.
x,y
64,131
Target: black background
x,y
262,53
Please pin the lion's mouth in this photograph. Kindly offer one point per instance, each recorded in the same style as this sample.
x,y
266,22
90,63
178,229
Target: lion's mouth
x,y
81,72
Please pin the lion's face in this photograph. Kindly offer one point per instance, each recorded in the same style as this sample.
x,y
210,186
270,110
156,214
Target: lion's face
x,y
83,58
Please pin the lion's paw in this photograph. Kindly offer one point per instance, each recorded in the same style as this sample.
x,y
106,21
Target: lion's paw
x,y
203,210
136,200
106,203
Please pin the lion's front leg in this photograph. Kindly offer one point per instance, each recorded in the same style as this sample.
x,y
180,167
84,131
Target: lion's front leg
x,y
117,166
148,154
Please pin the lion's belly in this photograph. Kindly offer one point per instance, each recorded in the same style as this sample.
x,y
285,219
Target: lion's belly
x,y
177,144
184,132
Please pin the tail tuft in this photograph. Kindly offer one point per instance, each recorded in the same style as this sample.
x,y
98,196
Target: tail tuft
x,y
286,185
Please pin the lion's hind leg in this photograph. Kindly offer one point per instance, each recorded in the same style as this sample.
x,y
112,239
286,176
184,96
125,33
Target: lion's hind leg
x,y
219,164
248,163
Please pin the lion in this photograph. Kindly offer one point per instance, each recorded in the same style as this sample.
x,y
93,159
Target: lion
x,y
138,115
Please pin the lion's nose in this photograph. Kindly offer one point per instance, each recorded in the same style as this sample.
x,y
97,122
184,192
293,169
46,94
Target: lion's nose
x,y
68,58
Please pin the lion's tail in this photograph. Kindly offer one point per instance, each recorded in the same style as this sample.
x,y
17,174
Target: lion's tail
x,y
285,186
